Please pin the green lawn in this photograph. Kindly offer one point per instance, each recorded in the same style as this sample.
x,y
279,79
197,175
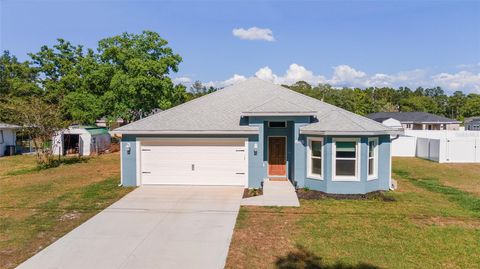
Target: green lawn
x,y
434,223
39,206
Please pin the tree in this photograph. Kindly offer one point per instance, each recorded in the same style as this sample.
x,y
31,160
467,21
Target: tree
x,y
58,69
456,102
139,66
82,107
39,120
472,105
16,78
197,89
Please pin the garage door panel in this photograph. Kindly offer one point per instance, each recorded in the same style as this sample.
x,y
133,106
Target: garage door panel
x,y
223,164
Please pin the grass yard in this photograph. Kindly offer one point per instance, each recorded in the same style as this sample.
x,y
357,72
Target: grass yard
x,y
39,206
434,223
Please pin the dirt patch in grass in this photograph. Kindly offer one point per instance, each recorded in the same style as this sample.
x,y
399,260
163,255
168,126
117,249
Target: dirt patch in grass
x,y
252,192
261,236
303,258
446,222
315,195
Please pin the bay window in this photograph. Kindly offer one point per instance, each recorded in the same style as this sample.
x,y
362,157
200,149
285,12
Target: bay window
x,y
346,159
314,155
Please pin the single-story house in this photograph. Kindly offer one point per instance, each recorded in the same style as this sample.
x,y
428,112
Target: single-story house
x,y
417,120
390,122
8,138
81,140
472,124
255,131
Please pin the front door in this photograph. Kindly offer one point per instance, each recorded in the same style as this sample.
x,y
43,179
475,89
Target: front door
x,y
277,156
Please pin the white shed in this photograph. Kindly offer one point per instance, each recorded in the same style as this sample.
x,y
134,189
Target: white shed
x,y
81,140
8,137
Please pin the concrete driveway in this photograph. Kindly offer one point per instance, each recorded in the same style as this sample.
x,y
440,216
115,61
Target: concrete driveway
x,y
152,227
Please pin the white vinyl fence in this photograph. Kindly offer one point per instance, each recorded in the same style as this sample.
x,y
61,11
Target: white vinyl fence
x,y
439,146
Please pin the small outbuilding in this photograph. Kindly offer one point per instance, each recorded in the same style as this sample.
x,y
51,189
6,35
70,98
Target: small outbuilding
x,y
81,140
8,138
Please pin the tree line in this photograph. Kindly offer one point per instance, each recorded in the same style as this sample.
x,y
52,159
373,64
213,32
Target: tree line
x,y
403,99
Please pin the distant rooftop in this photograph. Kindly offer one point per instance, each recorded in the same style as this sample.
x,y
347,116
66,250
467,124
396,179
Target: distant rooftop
x,y
472,119
8,126
410,117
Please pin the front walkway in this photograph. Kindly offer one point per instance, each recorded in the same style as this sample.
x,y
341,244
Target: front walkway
x,y
152,227
275,193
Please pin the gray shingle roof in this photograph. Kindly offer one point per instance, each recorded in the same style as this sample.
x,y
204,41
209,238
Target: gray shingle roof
x,y
221,112
279,106
415,117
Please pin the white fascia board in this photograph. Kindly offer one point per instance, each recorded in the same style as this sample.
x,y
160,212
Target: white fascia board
x,y
312,132
181,132
437,122
268,114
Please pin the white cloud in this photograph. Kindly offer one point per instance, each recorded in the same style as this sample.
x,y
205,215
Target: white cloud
x,y
254,33
344,75
182,80
266,73
458,81
293,74
347,76
220,84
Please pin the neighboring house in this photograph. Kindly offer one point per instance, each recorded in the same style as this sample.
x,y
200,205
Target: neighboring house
x,y
417,120
102,122
472,124
81,140
8,138
390,122
252,131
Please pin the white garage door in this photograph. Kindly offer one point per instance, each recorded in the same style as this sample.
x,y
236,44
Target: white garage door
x,y
194,162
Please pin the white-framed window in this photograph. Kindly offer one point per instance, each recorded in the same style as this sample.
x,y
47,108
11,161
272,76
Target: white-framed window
x,y
277,124
346,159
409,126
372,158
315,158
1,137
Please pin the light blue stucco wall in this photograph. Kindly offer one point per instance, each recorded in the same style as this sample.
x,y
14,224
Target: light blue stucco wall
x,y
129,161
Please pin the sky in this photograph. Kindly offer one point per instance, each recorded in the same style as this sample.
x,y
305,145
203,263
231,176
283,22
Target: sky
x,y
343,43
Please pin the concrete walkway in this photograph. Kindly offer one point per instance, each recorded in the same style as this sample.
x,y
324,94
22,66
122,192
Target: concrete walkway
x,y
152,227
275,193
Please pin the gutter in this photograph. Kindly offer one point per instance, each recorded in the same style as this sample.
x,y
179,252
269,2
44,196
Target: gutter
x,y
312,132
187,132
